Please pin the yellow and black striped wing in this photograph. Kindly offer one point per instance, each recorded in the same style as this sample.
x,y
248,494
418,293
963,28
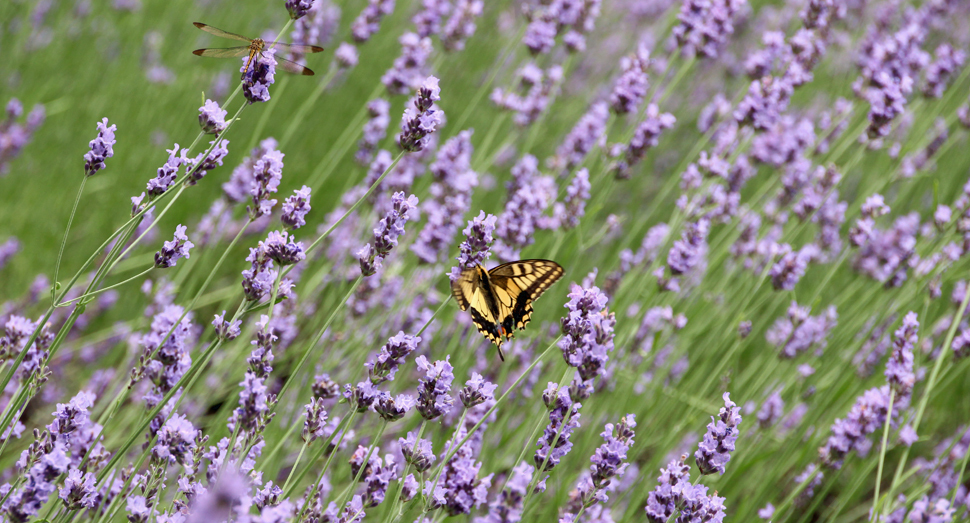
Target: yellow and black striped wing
x,y
473,292
516,285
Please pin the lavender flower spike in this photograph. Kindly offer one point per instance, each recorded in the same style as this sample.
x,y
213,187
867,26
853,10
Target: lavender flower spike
x,y
386,233
295,208
212,118
554,443
101,148
259,75
421,118
433,397
298,8
715,451
478,238
899,368
587,331
173,250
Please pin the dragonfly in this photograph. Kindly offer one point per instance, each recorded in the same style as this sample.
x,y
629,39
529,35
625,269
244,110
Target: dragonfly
x,y
255,46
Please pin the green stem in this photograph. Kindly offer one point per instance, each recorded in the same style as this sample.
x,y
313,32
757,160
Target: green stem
x,y
882,457
108,288
289,477
67,231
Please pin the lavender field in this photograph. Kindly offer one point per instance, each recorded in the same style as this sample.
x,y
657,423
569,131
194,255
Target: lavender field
x,y
225,289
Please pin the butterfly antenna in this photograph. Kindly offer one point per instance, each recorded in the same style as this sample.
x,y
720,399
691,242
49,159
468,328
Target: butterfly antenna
x,y
501,355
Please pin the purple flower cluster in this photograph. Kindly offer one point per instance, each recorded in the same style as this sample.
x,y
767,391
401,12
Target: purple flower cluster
x,y
573,207
530,194
173,250
462,489
588,132
212,118
175,441
476,391
281,248
428,19
417,452
316,27
675,492
554,443
797,331
166,174
536,87
420,117
374,130
295,208
258,75
507,506
409,70
433,397
587,331
705,25
475,249
171,355
451,193
867,415
195,171
258,279
369,20
8,249
266,173
630,88
102,148
461,25
15,136
378,474
298,8
393,408
392,355
899,368
946,62
722,432
791,267
609,459
645,137
255,400
549,20
687,255
372,255
885,255
228,330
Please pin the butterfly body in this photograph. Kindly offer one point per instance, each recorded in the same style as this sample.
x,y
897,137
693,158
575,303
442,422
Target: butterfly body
x,y
500,300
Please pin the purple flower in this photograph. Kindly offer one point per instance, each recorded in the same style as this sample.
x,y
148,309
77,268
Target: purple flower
x,y
609,459
224,328
791,267
530,194
369,21
393,408
281,248
537,85
212,118
476,391
255,400
346,56
374,130
645,137
102,148
392,355
172,358
195,171
79,490
885,255
298,8
316,27
705,25
258,280
409,70
378,475
687,252
173,250
450,199
417,452
935,511
568,213
587,331
798,331
771,410
386,233
461,25
507,506
554,443
295,208
588,132
475,249
946,62
867,415
631,87
315,424
420,118
663,501
433,397
175,441
361,396
899,368
463,489
258,75
266,172
8,249
428,19
166,174
715,451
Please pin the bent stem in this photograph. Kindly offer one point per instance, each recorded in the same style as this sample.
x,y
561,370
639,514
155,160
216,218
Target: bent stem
x,y
67,231
882,456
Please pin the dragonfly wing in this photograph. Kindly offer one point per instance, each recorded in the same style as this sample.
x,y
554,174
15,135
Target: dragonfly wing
x,y
292,67
219,32
230,52
296,48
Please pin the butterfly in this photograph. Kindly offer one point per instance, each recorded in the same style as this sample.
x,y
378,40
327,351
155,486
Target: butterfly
x,y
501,299
255,46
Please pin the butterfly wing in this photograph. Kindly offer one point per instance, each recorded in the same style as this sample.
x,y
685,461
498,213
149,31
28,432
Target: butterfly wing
x,y
473,292
516,285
